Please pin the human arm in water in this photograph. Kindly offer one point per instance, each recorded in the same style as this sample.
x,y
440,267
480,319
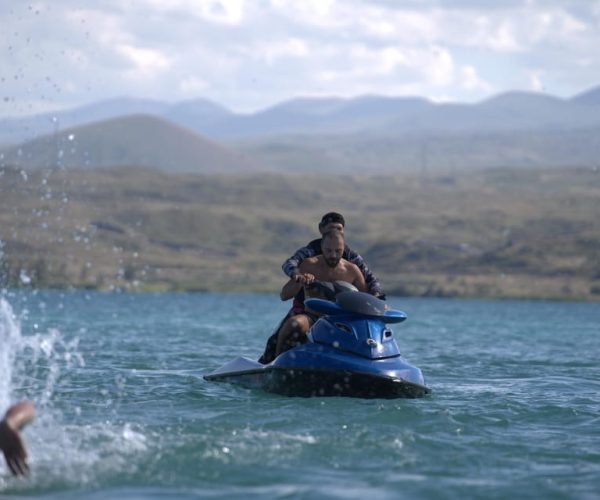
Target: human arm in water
x,y
11,442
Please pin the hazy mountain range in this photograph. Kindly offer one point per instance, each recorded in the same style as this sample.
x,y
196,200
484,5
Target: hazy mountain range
x,y
371,133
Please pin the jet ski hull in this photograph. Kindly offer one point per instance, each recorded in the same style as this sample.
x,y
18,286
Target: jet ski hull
x,y
316,371
325,383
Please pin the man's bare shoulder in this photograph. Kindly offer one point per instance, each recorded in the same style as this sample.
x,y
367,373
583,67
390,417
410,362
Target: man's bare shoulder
x,y
309,263
350,266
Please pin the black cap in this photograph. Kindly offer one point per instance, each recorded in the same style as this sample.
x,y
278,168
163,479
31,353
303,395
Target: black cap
x,y
330,217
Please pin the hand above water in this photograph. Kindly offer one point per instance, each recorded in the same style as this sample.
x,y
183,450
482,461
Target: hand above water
x,y
11,443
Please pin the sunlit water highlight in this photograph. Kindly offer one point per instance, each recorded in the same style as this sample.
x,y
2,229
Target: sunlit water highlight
x,y
124,413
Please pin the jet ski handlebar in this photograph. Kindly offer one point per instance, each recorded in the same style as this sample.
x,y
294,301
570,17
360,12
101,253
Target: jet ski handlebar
x,y
331,289
342,297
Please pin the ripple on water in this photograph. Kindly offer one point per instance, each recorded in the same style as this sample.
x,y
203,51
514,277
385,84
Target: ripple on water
x,y
125,413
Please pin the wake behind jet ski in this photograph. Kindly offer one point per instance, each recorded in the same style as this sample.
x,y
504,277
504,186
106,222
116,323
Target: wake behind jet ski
x,y
350,351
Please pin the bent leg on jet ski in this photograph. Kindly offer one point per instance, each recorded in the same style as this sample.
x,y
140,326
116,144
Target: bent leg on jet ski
x,y
268,354
324,290
293,332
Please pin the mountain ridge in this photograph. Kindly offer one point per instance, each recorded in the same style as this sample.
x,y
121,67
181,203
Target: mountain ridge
x,y
326,115
367,133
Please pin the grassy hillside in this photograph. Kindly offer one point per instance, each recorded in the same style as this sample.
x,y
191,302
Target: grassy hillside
x,y
494,233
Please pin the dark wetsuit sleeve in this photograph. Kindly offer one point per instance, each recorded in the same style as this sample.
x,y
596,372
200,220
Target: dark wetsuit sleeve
x,y
290,266
373,284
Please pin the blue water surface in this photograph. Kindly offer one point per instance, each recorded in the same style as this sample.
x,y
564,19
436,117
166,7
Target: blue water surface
x,y
123,411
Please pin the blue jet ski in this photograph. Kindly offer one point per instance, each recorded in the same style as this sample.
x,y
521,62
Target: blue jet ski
x,y
350,351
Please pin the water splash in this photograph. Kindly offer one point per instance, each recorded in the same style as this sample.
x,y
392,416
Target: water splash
x,y
64,448
30,365
9,339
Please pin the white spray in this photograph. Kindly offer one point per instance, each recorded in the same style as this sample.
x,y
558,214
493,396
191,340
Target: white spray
x,y
9,340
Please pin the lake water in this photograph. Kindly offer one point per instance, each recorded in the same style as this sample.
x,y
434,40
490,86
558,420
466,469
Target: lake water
x,y
124,413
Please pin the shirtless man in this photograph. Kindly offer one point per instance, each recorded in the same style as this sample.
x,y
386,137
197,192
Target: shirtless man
x,y
331,220
330,266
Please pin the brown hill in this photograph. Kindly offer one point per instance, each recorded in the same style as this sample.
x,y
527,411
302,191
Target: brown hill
x,y
140,140
494,233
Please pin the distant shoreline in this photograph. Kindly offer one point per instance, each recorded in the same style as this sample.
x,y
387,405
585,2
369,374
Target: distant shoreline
x,y
499,233
275,292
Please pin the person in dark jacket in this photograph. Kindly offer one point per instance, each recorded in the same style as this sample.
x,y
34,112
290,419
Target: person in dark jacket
x,y
330,267
331,221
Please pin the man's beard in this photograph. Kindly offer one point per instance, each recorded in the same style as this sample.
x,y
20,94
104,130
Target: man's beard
x,y
332,262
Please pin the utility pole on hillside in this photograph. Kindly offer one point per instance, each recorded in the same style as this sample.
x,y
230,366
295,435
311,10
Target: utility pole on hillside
x,y
55,123
424,160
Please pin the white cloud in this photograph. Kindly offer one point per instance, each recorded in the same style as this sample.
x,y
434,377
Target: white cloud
x,y
229,12
374,62
470,80
504,38
78,57
531,29
147,63
439,67
358,69
407,26
317,12
192,86
107,27
272,51
535,81
226,12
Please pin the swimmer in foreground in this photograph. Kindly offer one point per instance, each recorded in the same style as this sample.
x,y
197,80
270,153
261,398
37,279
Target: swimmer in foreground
x,y
11,443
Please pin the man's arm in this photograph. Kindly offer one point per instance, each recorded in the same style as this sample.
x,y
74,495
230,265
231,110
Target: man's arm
x,y
359,280
372,283
290,266
11,443
302,277
290,289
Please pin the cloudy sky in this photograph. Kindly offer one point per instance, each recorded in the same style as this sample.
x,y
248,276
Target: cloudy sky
x,y
250,54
